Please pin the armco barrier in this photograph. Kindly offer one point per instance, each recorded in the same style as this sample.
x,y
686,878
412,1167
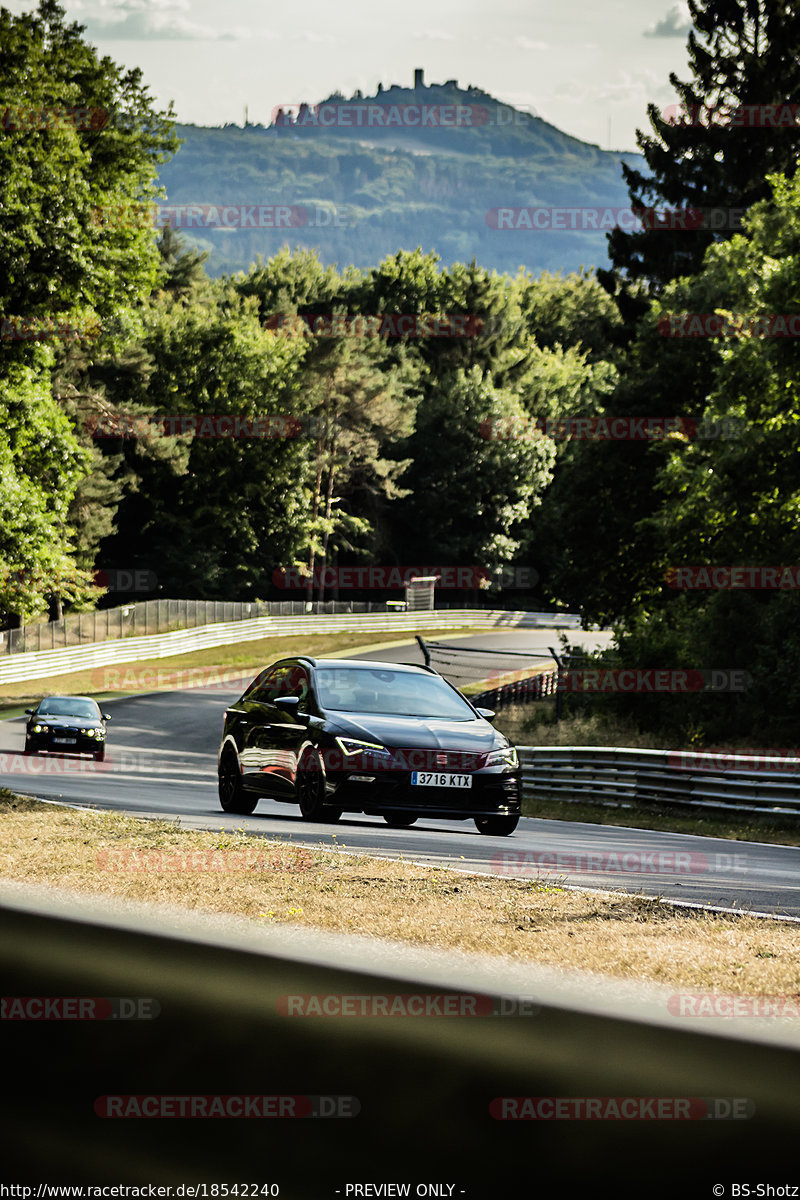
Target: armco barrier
x,y
425,1086
36,665
615,775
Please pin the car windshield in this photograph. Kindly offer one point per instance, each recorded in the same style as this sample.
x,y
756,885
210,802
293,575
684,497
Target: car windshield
x,y
65,706
397,693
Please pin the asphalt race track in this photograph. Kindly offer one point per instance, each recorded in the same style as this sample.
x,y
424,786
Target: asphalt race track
x,y
161,761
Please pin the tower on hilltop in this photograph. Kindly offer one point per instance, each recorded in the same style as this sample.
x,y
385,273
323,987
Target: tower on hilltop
x,y
419,80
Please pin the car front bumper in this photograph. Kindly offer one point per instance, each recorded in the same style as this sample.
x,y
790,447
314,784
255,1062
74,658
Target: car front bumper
x,y
493,793
66,741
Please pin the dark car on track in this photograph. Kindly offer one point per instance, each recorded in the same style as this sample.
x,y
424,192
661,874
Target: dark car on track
x,y
66,725
352,735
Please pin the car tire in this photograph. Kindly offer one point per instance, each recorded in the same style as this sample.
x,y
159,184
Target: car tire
x,y
28,747
232,796
400,820
99,755
497,826
311,790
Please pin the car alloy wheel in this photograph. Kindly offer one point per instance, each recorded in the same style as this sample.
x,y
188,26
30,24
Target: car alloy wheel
x,y
311,790
497,826
232,796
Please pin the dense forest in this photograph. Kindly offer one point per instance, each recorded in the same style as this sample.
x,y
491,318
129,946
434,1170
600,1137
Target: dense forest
x,y
561,422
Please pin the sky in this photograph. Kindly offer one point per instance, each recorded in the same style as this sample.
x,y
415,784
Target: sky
x,y
588,68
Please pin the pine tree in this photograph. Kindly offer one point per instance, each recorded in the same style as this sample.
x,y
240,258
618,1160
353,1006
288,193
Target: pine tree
x,y
742,53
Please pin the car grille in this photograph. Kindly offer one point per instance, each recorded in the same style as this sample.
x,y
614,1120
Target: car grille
x,y
437,760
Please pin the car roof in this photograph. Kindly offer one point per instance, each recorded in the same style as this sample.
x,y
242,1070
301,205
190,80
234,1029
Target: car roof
x,y
60,697
373,663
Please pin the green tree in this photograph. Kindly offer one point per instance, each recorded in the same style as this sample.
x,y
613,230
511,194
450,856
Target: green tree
x,y
733,499
76,247
361,407
471,496
741,53
77,237
214,514
41,464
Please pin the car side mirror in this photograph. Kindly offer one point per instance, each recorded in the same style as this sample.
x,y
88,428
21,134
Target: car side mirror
x,y
487,713
29,711
290,705
106,716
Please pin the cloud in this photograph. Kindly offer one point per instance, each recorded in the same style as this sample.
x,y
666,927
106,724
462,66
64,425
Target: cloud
x,y
529,44
676,23
147,25
434,35
144,5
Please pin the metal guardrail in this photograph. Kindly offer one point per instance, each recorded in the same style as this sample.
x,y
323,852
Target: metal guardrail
x,y
58,662
427,1087
687,779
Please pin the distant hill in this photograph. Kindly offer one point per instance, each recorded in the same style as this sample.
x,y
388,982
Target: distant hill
x,y
365,177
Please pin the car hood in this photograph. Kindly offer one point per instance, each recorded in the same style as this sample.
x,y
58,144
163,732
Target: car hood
x,y
418,733
69,722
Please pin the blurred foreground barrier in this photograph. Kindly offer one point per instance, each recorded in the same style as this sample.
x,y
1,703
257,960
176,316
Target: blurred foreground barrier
x,y
426,1095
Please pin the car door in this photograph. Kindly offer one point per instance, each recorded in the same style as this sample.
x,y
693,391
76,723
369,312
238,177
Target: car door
x,y
284,732
252,733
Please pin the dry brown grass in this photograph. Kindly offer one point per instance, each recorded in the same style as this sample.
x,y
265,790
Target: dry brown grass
x,y
627,937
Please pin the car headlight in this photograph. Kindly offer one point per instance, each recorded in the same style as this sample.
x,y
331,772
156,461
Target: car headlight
x,y
350,746
40,728
506,756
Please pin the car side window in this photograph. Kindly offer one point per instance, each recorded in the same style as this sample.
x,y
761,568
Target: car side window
x,y
263,687
297,683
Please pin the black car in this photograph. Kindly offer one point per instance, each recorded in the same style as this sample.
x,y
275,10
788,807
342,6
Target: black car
x,y
66,725
352,735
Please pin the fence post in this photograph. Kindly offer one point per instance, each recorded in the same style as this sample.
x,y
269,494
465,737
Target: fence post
x,y
559,693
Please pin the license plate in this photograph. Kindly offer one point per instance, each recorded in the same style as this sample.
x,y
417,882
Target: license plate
x,y
435,779
65,741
